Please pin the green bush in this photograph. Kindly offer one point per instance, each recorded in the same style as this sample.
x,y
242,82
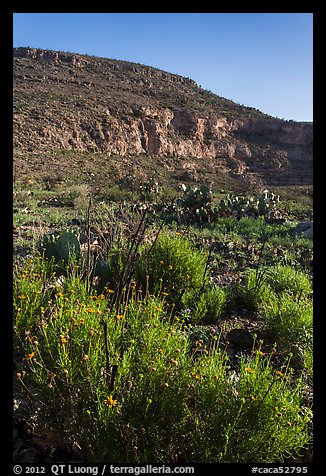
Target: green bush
x,y
288,321
307,356
124,384
206,306
253,415
172,265
284,278
79,194
251,292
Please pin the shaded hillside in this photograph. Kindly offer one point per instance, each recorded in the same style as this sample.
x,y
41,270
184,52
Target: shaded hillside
x,y
88,117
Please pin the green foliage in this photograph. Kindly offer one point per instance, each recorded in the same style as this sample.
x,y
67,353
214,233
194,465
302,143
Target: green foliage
x,y
150,189
62,248
172,265
250,227
79,194
126,375
110,269
283,278
252,415
252,291
195,197
307,355
126,385
205,306
263,204
194,206
288,321
281,295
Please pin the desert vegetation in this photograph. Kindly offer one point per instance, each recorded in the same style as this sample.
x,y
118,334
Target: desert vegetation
x,y
162,325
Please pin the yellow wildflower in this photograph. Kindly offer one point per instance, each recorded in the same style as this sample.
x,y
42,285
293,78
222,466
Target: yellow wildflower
x,y
29,356
110,402
259,352
278,372
250,370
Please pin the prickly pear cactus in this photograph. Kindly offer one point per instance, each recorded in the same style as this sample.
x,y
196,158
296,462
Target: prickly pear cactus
x,y
49,247
102,270
262,206
67,245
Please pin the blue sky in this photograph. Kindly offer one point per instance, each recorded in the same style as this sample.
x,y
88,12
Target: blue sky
x,y
263,60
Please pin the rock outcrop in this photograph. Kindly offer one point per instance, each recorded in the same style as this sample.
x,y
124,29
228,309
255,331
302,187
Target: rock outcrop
x,y
69,101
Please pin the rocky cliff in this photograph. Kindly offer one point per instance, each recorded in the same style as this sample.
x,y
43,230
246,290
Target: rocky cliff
x,y
78,103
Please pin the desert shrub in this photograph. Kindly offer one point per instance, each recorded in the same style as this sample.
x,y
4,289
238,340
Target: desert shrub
x,y
172,265
205,306
288,321
52,180
114,193
307,355
253,415
110,269
284,278
251,291
79,195
124,383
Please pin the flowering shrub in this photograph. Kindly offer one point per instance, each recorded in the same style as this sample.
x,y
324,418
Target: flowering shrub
x,y
123,381
172,265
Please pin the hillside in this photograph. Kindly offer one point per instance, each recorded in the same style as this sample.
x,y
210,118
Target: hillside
x,y
94,118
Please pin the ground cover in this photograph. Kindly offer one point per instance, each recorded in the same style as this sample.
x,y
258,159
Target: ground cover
x,y
164,335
